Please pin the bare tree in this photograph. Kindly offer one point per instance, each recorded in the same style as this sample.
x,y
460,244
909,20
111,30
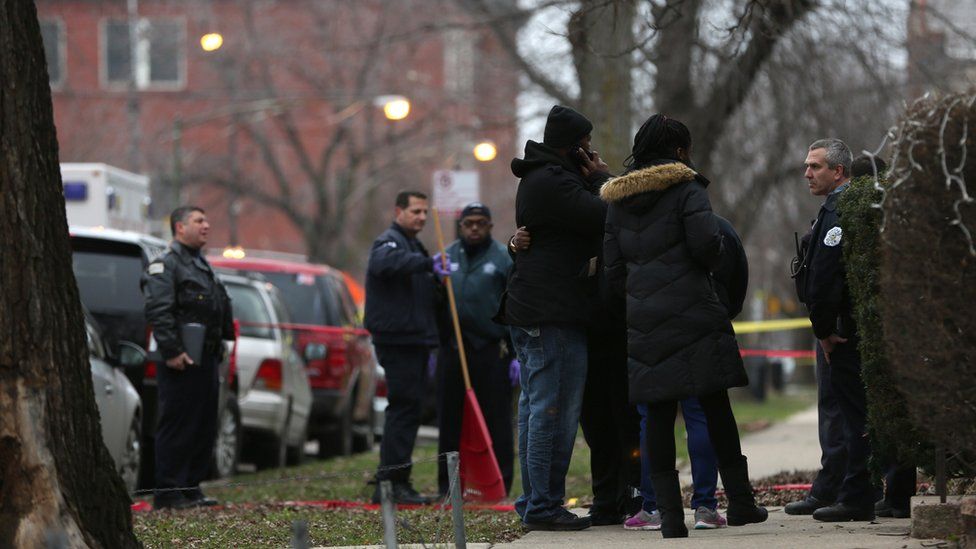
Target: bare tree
x,y
56,476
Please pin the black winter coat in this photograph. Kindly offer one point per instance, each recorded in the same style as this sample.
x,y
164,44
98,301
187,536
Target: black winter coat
x,y
555,281
400,291
661,242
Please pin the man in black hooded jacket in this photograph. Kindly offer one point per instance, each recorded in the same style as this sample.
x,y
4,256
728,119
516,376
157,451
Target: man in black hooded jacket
x,y
547,304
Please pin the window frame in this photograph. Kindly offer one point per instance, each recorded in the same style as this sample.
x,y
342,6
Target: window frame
x,y
164,86
62,51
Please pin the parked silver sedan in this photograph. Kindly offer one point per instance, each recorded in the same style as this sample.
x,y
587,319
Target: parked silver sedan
x,y
119,405
275,398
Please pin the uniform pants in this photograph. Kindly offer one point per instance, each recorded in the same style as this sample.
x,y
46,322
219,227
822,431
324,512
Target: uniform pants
x,y
900,485
186,428
611,425
492,387
833,457
844,372
406,382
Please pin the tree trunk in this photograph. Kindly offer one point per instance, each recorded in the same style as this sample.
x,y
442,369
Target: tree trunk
x,y
56,476
602,38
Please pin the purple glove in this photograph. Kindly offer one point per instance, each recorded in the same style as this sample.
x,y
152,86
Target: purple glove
x,y
432,366
439,268
514,369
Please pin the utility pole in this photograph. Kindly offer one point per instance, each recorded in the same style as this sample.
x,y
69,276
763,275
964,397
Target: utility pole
x,y
132,103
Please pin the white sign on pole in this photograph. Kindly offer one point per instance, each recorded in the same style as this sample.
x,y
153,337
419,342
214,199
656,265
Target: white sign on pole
x,y
453,190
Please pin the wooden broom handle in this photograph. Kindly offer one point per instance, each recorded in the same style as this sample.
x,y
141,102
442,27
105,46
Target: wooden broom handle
x,y
451,302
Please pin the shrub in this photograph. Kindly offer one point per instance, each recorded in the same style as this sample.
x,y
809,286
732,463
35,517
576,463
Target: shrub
x,y
928,270
893,434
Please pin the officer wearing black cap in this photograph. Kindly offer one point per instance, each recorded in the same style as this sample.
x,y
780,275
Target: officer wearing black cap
x,y
479,272
182,290
547,305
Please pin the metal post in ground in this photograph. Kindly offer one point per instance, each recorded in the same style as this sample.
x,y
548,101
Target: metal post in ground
x,y
940,473
457,509
299,534
388,507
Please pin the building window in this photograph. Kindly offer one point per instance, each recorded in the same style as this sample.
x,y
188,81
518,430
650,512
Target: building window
x,y
160,55
52,33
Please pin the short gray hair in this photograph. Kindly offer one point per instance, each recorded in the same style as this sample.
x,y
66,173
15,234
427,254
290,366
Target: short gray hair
x,y
838,153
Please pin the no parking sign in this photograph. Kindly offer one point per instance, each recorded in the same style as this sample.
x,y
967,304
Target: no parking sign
x,y
455,189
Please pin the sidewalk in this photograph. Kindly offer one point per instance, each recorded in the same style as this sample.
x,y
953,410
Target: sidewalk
x,y
781,530
789,445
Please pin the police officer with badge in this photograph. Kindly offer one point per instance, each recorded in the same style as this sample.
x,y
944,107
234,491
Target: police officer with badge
x,y
842,491
186,303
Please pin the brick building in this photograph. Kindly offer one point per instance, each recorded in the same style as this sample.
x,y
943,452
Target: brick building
x,y
941,46
279,133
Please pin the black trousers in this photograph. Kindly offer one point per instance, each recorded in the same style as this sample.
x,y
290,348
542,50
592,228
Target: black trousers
x,y
844,373
186,428
406,371
489,379
833,456
721,429
611,425
900,484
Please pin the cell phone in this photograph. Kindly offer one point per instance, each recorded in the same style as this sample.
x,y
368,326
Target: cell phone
x,y
575,157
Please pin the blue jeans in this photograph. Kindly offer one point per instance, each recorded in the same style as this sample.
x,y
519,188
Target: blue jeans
x,y
704,466
552,378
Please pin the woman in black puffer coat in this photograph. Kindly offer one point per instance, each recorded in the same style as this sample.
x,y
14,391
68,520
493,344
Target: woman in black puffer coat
x,y
662,242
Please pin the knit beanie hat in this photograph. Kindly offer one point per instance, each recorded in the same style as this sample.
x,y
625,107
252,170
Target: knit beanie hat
x,y
564,127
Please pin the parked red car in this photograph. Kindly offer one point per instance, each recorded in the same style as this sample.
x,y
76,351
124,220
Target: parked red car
x,y
338,351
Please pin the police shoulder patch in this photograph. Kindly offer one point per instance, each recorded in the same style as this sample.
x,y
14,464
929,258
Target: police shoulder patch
x,y
391,244
156,268
833,237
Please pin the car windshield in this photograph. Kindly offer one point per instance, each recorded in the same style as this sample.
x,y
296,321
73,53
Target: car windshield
x,y
307,297
251,311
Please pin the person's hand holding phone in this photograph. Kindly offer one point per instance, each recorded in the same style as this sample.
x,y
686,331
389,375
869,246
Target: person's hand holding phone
x,y
590,162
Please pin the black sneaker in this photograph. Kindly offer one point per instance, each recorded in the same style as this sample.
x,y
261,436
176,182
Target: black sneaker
x,y
563,521
884,509
404,493
805,506
600,517
197,499
844,512
171,500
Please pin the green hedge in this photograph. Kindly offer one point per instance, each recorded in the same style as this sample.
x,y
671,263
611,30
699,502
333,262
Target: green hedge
x,y
927,286
893,434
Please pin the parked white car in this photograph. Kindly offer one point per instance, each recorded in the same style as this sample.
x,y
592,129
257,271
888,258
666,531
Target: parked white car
x,y
119,405
275,398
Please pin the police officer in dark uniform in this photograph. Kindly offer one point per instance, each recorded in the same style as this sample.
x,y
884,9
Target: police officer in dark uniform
x,y
401,287
181,289
822,287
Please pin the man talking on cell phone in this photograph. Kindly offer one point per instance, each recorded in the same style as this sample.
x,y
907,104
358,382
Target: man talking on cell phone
x,y
546,306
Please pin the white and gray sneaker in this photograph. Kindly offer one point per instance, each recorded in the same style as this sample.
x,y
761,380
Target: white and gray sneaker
x,y
709,519
644,521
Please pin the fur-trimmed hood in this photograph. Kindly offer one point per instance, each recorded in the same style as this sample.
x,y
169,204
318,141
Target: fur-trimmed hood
x,y
652,178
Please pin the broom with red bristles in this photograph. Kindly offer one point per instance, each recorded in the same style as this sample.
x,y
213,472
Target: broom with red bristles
x,y
481,479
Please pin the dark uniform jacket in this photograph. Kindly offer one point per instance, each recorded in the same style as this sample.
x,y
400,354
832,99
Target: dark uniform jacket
x,y
181,288
554,282
662,241
820,282
478,285
400,291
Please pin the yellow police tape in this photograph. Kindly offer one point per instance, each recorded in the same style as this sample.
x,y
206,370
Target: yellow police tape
x,y
776,325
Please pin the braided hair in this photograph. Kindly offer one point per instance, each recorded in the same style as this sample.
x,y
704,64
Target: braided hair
x,y
658,138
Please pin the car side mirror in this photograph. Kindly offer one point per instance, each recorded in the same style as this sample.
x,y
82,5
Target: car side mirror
x,y
315,351
130,355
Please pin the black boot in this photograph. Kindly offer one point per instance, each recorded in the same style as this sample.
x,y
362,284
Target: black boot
x,y
742,503
669,503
